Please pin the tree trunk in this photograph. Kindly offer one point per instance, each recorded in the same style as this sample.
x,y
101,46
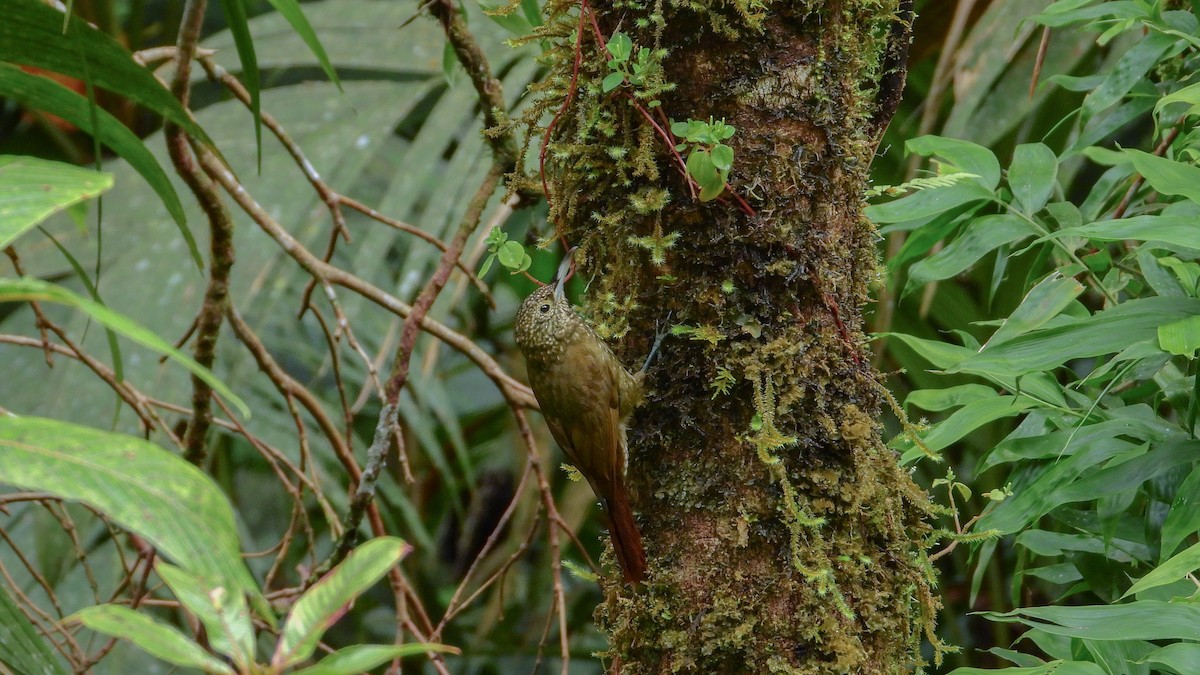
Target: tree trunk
x,y
782,535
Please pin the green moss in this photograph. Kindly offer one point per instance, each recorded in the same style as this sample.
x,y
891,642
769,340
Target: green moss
x,y
795,546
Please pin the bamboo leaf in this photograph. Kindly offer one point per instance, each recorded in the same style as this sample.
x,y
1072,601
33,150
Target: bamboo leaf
x,y
33,289
32,189
32,34
239,28
45,94
140,486
21,648
290,10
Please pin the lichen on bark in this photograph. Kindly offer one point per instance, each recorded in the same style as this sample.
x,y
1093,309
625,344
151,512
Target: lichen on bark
x,y
782,534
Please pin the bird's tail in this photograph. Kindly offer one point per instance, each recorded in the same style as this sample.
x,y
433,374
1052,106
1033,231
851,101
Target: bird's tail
x,y
626,539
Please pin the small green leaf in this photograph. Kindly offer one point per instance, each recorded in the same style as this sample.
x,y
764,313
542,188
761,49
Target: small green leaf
x,y
1049,298
32,189
620,46
154,638
449,63
722,157
927,204
700,166
1167,176
680,129
1169,229
612,81
511,254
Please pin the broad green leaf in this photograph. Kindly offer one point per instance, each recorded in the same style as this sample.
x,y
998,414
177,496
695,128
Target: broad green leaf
x,y
927,232
45,94
33,289
1042,303
1189,95
981,237
1182,657
322,605
1142,620
1066,442
939,353
1032,176
965,420
21,647
140,486
1106,332
1052,544
32,189
1065,12
1181,338
151,636
1174,569
239,28
1167,176
290,10
1051,668
1106,125
224,614
961,156
928,203
1172,230
1188,273
1129,70
1044,494
363,658
936,400
1184,517
32,34
1123,476
1120,656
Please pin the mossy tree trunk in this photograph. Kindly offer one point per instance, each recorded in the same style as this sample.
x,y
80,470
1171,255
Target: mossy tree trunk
x,y
782,535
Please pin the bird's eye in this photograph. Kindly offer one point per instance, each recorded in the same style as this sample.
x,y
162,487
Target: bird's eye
x,y
544,308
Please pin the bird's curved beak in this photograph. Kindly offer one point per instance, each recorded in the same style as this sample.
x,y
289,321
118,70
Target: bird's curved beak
x,y
564,271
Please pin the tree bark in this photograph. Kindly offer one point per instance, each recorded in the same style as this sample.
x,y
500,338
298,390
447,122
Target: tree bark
x,y
782,535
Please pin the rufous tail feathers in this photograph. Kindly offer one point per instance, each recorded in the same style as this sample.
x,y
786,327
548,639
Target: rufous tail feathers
x,y
626,540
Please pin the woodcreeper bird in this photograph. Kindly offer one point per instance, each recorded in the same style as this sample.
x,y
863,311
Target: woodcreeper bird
x,y
586,396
